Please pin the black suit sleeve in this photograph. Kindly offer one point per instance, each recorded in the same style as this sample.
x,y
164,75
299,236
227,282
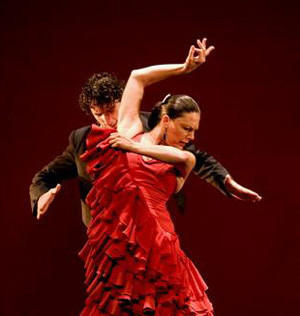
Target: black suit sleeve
x,y
209,169
61,168
144,116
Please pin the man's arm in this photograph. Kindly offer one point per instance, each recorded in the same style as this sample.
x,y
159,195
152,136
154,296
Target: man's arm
x,y
209,169
61,168
212,171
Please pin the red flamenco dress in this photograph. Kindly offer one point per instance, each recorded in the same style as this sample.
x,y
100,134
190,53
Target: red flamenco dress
x,y
133,261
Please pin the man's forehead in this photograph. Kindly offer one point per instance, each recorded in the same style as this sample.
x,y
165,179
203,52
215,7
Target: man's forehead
x,y
104,106
99,110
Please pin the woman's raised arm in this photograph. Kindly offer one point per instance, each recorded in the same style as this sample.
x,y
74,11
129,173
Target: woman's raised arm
x,y
129,123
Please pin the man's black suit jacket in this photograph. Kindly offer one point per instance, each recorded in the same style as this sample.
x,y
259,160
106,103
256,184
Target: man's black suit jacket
x,y
69,165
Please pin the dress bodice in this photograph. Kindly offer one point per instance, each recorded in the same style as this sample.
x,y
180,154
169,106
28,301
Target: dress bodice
x,y
154,174
156,181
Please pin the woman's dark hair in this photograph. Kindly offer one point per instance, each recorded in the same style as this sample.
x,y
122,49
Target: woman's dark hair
x,y
174,106
102,89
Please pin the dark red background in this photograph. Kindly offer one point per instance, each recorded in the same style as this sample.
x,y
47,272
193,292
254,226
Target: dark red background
x,y
247,253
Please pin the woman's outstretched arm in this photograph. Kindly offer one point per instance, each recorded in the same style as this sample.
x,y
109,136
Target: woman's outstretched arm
x,y
182,159
129,123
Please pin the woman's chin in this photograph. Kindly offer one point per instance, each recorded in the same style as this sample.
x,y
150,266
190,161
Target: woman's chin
x,y
179,146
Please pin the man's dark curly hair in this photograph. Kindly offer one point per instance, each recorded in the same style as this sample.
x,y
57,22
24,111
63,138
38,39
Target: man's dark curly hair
x,y
102,89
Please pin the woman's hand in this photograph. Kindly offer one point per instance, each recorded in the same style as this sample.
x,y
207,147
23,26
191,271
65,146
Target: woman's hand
x,y
197,56
118,141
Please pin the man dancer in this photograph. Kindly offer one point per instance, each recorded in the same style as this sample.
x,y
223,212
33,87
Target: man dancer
x,y
100,98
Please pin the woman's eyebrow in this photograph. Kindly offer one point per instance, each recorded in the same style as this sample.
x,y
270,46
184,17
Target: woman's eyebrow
x,y
190,127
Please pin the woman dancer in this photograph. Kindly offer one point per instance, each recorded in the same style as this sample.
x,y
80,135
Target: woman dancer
x,y
133,260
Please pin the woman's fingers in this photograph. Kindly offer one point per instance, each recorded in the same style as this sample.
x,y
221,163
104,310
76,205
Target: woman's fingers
x,y
115,140
119,141
191,52
197,55
209,50
113,136
201,44
200,51
206,51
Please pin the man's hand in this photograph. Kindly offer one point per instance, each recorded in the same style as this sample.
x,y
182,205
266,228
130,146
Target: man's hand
x,y
197,56
45,200
239,192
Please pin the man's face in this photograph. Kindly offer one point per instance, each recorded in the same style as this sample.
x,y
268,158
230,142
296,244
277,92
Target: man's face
x,y
106,116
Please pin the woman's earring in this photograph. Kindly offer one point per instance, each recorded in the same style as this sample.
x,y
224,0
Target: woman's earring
x,y
165,134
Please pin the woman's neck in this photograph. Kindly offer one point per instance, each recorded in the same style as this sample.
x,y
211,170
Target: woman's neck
x,y
156,135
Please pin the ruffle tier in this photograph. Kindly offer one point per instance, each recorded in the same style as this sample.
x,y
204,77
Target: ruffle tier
x,y
133,266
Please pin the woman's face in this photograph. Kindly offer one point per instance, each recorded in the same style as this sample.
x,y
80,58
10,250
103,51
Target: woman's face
x,y
181,130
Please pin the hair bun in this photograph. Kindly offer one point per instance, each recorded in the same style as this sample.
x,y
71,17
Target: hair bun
x,y
155,114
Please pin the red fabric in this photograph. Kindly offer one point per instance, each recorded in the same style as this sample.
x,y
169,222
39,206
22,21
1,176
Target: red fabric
x,y
133,261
